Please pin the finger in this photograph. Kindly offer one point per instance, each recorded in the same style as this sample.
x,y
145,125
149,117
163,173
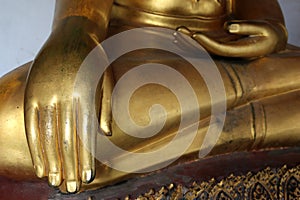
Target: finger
x,y
68,147
49,139
184,30
105,107
246,47
249,28
33,134
87,124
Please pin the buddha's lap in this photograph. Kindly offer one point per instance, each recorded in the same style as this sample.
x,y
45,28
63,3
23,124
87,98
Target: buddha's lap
x,y
15,157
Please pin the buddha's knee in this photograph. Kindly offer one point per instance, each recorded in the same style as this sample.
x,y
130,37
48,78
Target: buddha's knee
x,y
14,150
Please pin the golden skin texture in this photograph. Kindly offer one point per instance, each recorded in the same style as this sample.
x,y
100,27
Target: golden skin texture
x,y
243,29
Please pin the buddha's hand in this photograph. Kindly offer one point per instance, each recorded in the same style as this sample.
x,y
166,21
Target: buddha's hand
x,y
257,38
57,120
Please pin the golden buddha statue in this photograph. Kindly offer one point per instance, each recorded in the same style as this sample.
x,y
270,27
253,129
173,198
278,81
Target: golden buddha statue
x,y
247,40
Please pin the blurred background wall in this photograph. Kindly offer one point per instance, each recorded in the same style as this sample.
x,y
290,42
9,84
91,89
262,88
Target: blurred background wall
x,y
26,24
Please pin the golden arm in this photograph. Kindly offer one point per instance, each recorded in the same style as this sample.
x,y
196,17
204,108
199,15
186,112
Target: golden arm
x,y
51,121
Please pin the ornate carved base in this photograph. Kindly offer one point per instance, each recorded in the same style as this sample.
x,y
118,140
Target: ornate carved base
x,y
269,183
272,174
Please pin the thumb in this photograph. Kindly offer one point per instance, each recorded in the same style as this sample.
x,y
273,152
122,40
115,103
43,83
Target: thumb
x,y
249,28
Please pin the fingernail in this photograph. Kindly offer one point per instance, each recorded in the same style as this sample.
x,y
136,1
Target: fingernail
x,y
39,171
233,28
72,186
87,176
54,179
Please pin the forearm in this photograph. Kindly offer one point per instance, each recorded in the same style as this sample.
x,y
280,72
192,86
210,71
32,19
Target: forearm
x,y
98,11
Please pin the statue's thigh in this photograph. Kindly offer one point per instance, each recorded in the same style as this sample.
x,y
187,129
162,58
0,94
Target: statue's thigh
x,y
14,150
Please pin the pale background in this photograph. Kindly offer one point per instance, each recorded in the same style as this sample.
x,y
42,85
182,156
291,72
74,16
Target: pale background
x,y
26,24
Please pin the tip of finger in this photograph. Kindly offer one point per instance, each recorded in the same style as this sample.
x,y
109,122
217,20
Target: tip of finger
x,y
72,186
184,30
87,176
54,179
233,28
105,128
39,171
